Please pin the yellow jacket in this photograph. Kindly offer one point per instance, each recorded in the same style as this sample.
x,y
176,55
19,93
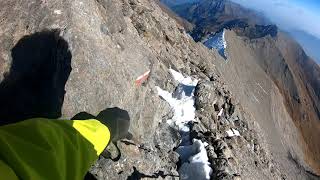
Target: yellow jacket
x,y
50,149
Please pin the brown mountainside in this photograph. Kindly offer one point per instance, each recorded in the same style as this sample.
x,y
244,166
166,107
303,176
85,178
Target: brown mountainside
x,y
282,61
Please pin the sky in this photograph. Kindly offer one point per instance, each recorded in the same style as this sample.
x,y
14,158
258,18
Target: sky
x,y
289,15
313,5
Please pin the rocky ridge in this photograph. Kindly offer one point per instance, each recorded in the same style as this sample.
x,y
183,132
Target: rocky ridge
x,y
166,139
279,58
112,43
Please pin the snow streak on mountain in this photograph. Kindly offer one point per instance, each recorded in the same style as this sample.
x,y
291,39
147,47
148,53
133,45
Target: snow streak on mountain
x,y
217,41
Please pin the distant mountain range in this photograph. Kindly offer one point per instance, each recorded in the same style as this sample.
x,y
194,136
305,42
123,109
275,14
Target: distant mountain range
x,y
171,3
213,15
310,43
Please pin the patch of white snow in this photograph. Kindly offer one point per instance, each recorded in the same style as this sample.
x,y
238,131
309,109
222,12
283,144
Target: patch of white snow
x,y
217,41
236,132
193,154
197,165
57,11
183,106
181,79
233,132
220,112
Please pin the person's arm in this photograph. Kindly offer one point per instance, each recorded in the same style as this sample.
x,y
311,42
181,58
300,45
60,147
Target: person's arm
x,y
51,149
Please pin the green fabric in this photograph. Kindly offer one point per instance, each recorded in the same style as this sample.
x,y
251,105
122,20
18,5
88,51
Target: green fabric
x,y
49,149
7,172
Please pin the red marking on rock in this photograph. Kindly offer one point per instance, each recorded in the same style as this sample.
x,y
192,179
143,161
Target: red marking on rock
x,y
141,79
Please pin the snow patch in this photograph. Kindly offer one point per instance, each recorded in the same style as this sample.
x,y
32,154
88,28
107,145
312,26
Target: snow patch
x,y
233,132
182,101
57,11
220,113
196,166
217,41
182,80
193,154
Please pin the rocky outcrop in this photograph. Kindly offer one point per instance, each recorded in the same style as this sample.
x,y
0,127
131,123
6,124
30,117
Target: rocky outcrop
x,y
218,114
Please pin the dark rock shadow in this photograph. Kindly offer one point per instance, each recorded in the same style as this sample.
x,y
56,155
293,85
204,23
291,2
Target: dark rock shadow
x,y
35,84
181,90
136,175
89,176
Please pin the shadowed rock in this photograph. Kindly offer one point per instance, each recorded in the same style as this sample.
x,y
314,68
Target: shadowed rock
x,y
35,84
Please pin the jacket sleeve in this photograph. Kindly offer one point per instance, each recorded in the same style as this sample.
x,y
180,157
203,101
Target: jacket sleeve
x,y
51,149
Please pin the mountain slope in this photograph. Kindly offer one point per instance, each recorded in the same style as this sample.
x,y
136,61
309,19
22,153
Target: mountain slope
x,y
309,44
281,60
262,99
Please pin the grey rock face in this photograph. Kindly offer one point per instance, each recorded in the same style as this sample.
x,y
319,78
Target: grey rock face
x,y
166,138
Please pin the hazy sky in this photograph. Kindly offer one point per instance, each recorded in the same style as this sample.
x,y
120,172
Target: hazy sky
x,y
289,14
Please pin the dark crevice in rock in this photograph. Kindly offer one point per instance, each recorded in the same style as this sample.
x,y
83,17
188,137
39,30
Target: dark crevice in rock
x,y
140,146
139,175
